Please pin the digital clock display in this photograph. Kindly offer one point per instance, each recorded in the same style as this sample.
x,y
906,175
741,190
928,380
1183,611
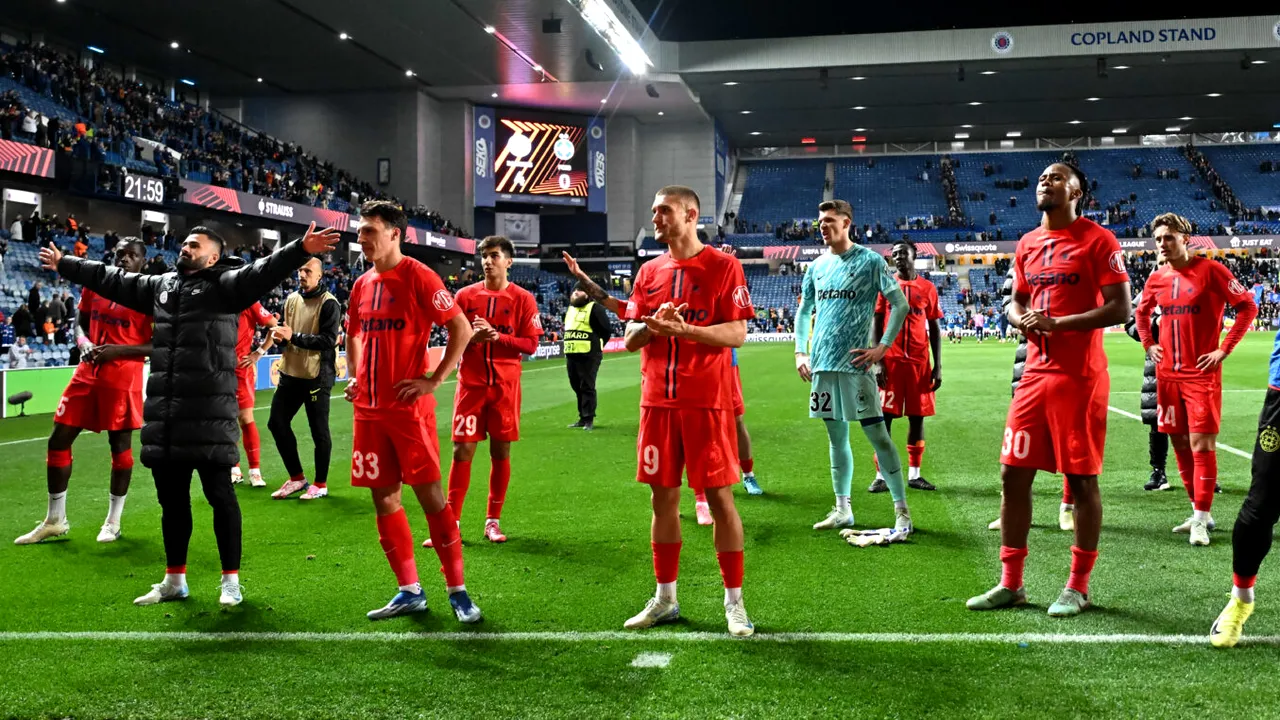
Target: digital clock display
x,y
144,189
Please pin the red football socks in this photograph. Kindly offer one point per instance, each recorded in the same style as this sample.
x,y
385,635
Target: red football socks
x,y
448,545
499,479
700,496
749,466
1187,469
459,483
1243,582
252,444
730,568
1206,473
1067,498
397,543
1012,561
1081,566
666,562
915,454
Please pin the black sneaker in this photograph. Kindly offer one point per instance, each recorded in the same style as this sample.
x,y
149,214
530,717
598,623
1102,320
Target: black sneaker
x,y
878,486
589,426
1158,480
578,425
921,484
1217,489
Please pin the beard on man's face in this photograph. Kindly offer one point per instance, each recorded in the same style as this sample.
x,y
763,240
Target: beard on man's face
x,y
190,263
578,300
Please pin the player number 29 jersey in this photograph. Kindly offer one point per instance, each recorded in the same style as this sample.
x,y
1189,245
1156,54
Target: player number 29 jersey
x,y
511,311
679,373
842,290
392,314
1063,271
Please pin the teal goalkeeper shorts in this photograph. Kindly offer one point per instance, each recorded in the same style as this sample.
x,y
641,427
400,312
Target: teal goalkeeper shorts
x,y
844,396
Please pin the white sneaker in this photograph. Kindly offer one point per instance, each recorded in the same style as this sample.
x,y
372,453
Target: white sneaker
x,y
1199,533
994,524
44,531
837,518
902,521
231,595
655,612
1067,519
739,624
236,476
255,479
110,532
1185,527
162,592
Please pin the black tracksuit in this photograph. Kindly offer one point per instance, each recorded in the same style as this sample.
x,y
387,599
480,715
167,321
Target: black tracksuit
x,y
583,367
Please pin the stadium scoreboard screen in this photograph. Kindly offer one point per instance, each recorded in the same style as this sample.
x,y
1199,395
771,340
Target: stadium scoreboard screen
x,y
538,158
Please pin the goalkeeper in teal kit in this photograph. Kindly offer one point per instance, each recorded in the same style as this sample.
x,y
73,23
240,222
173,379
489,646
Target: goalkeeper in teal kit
x,y
840,291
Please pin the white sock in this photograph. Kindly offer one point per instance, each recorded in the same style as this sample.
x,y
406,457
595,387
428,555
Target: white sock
x,y
899,504
415,588
176,580
732,596
1066,508
115,506
455,589
879,476
231,578
1242,594
667,592
913,473
57,507
1201,515
842,502
749,474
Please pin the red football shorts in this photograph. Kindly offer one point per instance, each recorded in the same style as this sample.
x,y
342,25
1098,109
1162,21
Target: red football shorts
x,y
1188,406
908,389
739,406
487,411
395,450
246,386
1057,423
702,441
96,409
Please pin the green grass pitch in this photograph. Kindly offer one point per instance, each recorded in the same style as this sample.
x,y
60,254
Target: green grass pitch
x,y
578,561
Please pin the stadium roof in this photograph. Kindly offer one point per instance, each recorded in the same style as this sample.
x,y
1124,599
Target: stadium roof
x,y
764,92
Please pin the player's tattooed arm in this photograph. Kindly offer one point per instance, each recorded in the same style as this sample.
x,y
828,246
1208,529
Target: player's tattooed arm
x,y
590,287
637,336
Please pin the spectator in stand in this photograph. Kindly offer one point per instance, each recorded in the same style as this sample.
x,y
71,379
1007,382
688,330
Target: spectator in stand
x,y
33,296
7,336
20,354
22,323
15,230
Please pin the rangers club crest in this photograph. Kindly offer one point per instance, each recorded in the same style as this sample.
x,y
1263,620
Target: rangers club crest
x,y
1002,42
1269,440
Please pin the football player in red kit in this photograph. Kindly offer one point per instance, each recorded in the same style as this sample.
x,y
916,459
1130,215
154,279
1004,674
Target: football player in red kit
x,y
392,309
1192,293
909,379
105,394
506,327
1069,284
688,307
247,390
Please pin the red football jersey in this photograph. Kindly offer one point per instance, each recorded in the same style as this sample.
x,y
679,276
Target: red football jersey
x,y
1192,301
1064,271
912,344
677,373
511,311
392,314
113,324
250,320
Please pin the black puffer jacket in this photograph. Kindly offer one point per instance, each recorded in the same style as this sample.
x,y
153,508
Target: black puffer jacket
x,y
1148,367
190,412
1020,356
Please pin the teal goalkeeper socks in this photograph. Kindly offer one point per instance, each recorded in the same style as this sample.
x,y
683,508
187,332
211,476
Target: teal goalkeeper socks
x,y
890,463
842,458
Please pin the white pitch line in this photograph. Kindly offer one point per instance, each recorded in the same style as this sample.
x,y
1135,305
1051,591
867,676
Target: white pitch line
x,y
1227,448
260,408
1238,390
620,636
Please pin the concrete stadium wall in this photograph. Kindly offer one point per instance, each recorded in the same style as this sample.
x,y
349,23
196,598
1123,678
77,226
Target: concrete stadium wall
x,y
681,154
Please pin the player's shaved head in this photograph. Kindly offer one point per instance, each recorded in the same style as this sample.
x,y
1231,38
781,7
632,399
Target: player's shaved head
x,y
310,273
675,214
687,196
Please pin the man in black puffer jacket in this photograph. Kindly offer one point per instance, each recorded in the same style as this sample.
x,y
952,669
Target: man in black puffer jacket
x,y
1157,442
189,417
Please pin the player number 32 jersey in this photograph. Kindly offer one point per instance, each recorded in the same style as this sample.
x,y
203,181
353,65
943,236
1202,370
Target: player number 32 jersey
x,y
841,292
